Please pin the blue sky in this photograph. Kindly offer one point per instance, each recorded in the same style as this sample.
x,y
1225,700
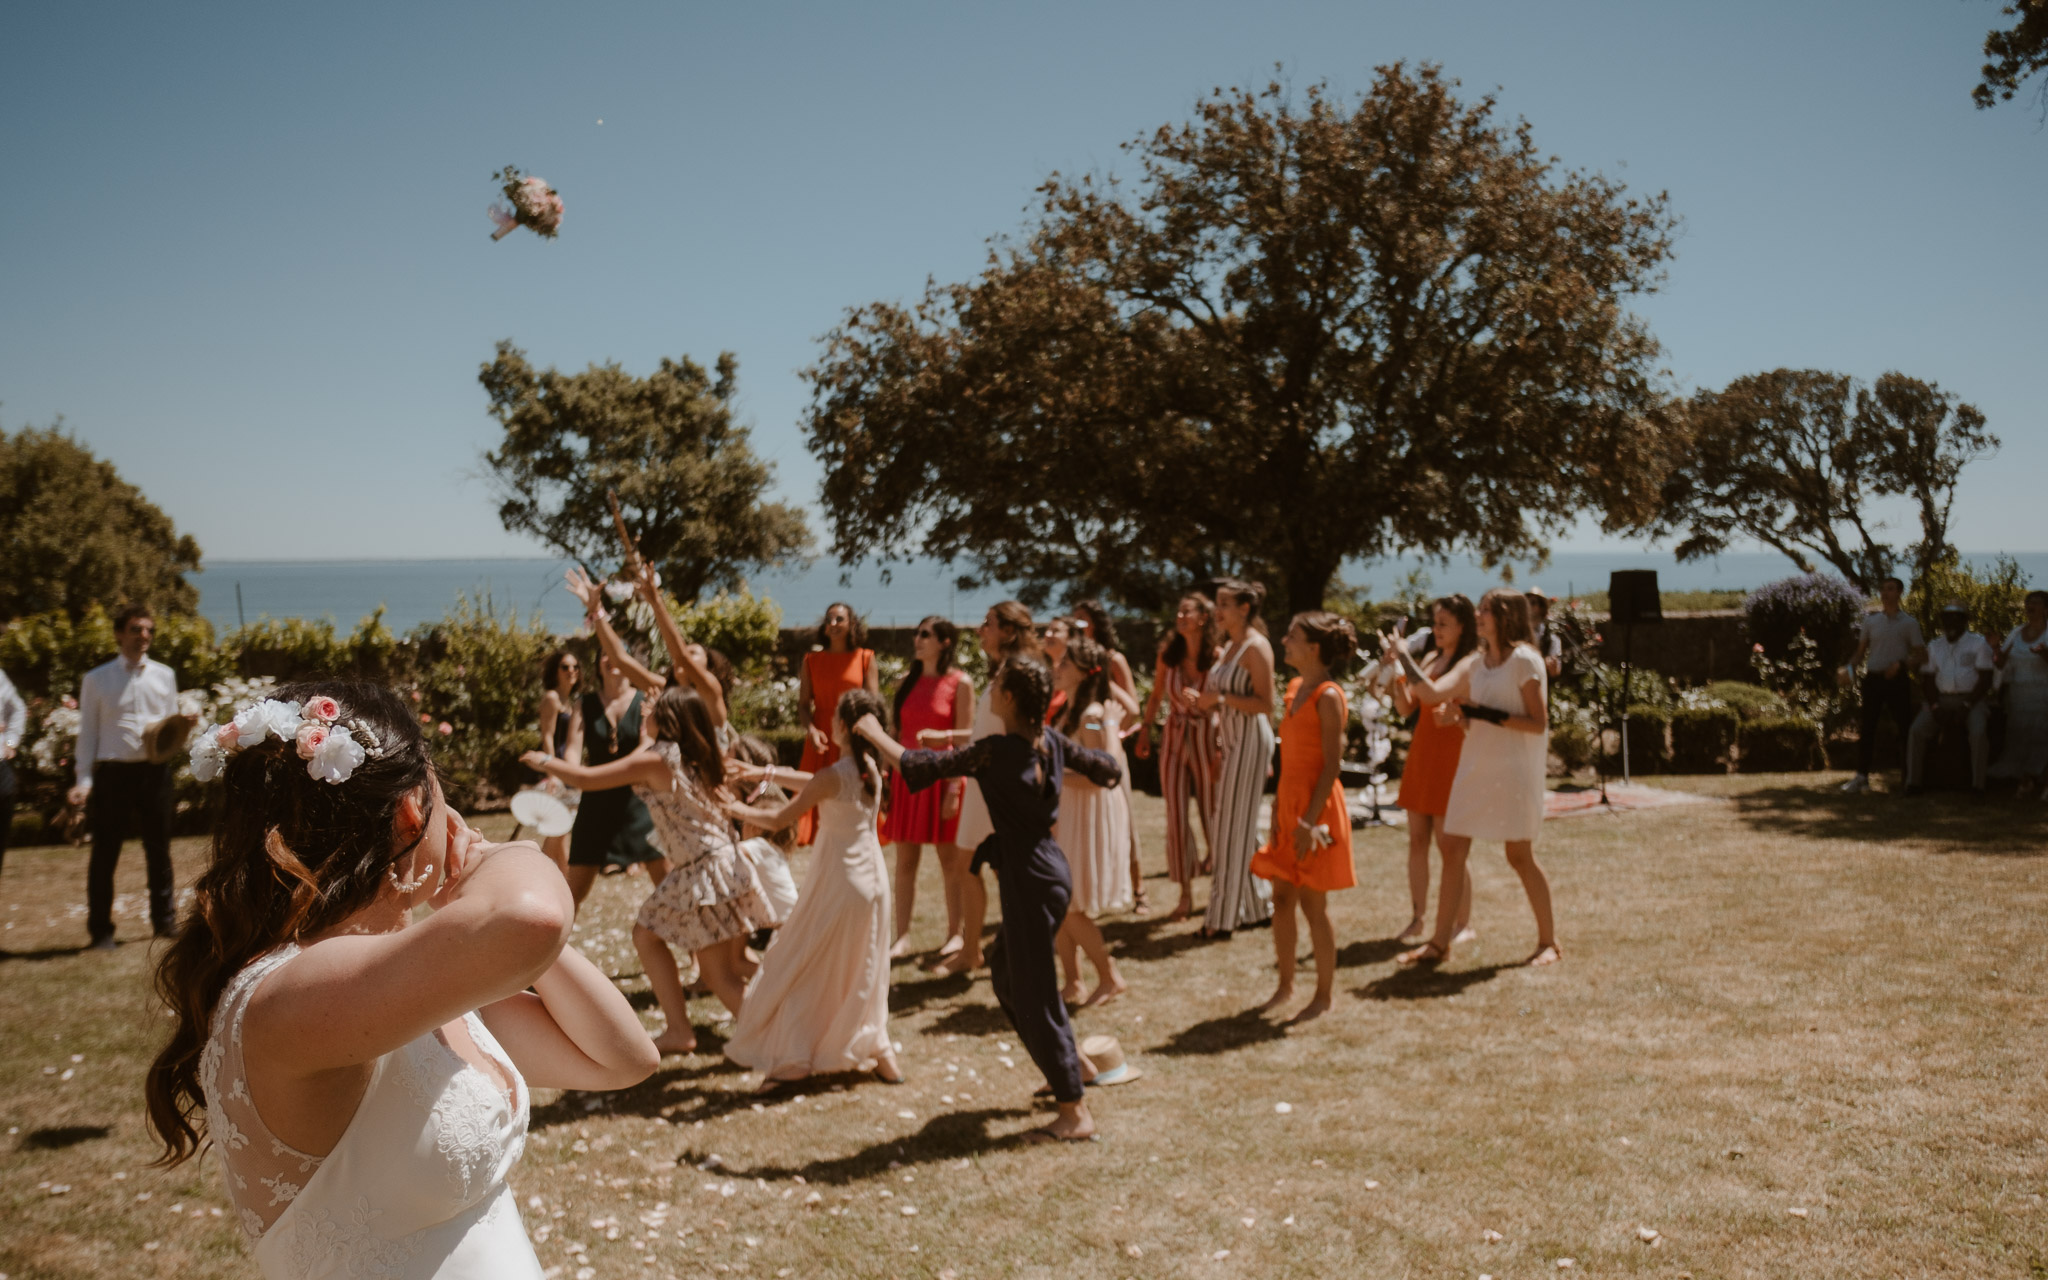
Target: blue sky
x,y
246,256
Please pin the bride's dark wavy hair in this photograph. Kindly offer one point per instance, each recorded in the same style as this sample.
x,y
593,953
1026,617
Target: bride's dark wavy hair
x,y
292,856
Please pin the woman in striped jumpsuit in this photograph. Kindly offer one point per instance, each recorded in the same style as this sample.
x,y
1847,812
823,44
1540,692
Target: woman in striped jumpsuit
x,y
1187,751
1239,689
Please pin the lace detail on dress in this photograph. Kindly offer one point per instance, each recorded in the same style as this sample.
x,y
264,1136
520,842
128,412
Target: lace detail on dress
x,y
318,1238
263,1174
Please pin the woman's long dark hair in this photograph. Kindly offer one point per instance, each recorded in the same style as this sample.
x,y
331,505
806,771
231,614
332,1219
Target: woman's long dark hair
x,y
853,704
1460,607
1092,661
1028,682
292,856
1101,627
1510,610
1335,639
856,630
1176,651
948,637
1014,620
681,717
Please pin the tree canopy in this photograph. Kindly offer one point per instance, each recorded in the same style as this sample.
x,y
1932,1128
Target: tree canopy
x,y
73,533
2016,53
1311,330
687,477
1794,458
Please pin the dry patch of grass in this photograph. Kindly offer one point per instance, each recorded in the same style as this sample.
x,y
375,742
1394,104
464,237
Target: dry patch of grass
x,y
1786,1000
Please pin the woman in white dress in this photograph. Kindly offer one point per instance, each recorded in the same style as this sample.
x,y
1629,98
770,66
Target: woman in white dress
x,y
712,899
1499,693
1004,631
393,1057
1239,688
821,1000
1094,828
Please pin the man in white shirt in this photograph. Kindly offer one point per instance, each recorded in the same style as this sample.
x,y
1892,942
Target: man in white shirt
x,y
117,784
13,723
1890,649
1954,679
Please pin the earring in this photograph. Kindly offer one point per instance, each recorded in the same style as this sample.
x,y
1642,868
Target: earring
x,y
413,885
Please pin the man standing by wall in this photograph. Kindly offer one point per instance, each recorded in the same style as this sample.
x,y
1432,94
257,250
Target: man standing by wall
x,y
117,702
1889,641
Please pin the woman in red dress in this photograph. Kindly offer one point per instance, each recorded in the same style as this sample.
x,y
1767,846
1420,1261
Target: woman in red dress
x,y
838,663
1433,761
936,695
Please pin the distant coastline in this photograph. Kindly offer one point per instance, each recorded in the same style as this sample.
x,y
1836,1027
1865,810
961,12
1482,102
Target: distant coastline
x,y
416,591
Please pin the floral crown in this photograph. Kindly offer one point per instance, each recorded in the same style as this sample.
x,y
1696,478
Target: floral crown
x,y
333,748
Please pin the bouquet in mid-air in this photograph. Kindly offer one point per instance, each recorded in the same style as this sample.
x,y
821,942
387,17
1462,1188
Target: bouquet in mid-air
x,y
534,204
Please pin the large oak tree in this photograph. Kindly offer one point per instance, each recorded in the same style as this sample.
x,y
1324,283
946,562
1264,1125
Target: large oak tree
x,y
688,480
1308,330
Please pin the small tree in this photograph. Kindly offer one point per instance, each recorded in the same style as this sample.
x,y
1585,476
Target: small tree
x,y
76,534
1996,596
687,477
1793,458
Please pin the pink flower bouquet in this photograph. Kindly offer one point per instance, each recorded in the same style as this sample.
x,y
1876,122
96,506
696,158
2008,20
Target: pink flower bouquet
x,y
534,204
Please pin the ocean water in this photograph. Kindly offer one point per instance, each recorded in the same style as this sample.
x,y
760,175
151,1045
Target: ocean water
x,y
416,591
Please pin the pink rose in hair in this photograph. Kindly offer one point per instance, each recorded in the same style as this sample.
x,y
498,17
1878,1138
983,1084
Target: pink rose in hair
x,y
324,709
446,728
310,738
228,736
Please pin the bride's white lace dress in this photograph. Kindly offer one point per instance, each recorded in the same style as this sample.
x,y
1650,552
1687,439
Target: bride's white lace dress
x,y
414,1189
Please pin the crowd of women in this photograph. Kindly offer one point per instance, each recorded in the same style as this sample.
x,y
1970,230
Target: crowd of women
x,y
302,977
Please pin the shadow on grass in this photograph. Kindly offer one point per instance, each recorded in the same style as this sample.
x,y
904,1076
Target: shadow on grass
x,y
1953,822
45,953
660,1095
57,1139
1221,1035
970,1020
1152,939
955,1135
1379,950
919,993
1428,984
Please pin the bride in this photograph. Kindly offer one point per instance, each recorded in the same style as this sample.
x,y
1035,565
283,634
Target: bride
x,y
365,1075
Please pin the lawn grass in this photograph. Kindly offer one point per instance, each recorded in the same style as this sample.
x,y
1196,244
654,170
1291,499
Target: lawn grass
x,y
1786,999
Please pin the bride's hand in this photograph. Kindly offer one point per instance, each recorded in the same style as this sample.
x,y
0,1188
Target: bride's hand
x,y
582,587
467,849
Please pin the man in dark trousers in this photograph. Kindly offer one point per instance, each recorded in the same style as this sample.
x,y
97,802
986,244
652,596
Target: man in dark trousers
x,y
1889,647
120,788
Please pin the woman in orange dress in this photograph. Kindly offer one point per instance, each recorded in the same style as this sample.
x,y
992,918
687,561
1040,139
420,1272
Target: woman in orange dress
x,y
1308,847
1433,762
836,664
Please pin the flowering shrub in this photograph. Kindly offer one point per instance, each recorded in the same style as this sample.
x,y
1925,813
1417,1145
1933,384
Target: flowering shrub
x,y
1820,606
766,706
1996,596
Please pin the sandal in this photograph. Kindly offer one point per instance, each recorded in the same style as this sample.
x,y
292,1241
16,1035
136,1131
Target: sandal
x,y
1427,956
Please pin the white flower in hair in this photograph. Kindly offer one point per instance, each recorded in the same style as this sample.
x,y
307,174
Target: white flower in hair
x,y
336,757
265,718
208,758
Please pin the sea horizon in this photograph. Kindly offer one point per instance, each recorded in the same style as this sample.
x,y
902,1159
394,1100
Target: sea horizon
x,y
417,590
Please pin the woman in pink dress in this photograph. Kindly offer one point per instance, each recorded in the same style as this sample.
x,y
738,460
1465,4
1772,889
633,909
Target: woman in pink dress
x,y
934,695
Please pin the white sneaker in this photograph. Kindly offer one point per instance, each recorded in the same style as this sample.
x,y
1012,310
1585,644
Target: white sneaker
x,y
1857,785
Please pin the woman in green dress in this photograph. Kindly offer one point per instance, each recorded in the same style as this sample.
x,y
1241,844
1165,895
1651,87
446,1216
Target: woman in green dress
x,y
612,827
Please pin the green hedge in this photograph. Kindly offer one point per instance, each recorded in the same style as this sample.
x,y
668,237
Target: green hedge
x,y
1703,739
1649,748
1750,701
1782,744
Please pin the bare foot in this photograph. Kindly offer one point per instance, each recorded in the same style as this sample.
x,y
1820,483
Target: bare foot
x,y
959,962
1106,992
771,1084
1072,992
951,946
1465,933
1073,1124
677,1041
1548,953
1140,904
1280,997
900,948
1414,933
1314,1009
887,1071
1182,910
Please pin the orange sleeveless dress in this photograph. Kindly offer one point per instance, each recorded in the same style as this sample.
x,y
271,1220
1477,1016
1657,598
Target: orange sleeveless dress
x,y
832,674
1431,765
1301,763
